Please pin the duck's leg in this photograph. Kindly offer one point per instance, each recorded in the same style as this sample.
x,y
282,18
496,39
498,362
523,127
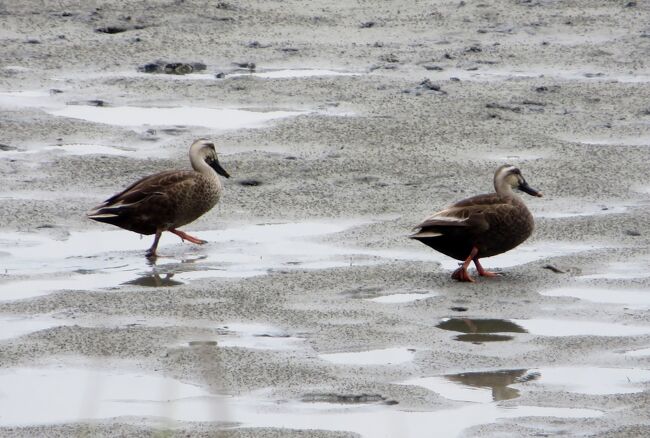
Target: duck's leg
x,y
482,272
461,273
185,236
151,252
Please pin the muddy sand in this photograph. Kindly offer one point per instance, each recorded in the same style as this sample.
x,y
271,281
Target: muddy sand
x,y
309,312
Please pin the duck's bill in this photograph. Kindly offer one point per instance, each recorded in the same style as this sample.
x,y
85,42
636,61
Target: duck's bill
x,y
524,187
217,168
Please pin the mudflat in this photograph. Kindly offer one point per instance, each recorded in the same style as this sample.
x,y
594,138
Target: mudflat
x,y
309,312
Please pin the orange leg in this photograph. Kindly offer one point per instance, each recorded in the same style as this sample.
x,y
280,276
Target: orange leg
x,y
482,272
461,273
185,236
151,252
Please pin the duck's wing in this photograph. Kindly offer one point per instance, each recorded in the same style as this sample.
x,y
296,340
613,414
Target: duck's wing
x,y
472,215
158,186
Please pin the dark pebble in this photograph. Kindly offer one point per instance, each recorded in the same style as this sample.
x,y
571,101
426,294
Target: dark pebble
x,y
247,65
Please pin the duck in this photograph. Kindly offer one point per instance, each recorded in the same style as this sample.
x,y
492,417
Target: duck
x,y
481,226
167,200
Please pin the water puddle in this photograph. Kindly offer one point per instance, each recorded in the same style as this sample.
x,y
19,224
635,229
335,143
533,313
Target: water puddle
x,y
580,211
526,253
33,396
214,118
27,98
479,387
14,326
632,298
299,73
134,116
258,337
627,270
45,195
382,422
86,149
491,386
486,330
481,330
386,356
638,353
402,298
608,141
593,380
92,260
557,327
491,74
65,394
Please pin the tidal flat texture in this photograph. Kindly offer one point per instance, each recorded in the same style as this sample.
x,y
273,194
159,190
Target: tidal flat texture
x,y
309,313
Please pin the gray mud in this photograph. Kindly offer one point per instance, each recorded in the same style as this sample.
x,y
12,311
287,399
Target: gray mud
x,y
247,324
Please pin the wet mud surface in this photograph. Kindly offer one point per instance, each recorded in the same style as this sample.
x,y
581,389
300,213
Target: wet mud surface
x,y
309,312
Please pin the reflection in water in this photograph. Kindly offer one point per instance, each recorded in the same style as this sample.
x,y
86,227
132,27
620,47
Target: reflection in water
x,y
154,280
479,387
477,338
162,275
481,330
497,381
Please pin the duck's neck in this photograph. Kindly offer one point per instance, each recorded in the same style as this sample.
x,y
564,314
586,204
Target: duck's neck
x,y
199,165
504,190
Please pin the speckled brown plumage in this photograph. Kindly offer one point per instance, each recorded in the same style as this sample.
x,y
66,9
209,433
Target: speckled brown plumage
x,y
483,225
167,200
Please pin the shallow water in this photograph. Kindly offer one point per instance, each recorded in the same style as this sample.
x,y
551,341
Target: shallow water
x,y
74,149
481,330
479,387
559,327
494,74
13,326
593,380
569,211
402,298
258,337
497,385
634,268
385,356
609,140
633,298
296,73
539,327
214,118
638,353
103,259
526,253
68,394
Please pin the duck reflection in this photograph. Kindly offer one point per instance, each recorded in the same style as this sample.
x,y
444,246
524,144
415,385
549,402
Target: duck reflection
x,y
481,330
498,381
154,279
161,275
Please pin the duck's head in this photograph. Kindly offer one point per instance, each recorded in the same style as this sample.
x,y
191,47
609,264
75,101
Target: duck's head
x,y
509,177
203,150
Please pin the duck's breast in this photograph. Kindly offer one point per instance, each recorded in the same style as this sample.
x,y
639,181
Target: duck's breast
x,y
199,195
510,224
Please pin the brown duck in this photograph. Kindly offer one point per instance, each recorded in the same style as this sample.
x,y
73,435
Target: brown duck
x,y
481,226
167,200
